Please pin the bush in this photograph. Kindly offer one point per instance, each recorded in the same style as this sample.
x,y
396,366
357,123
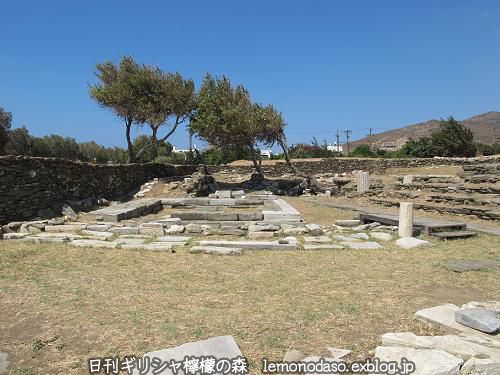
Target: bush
x,y
453,139
306,151
421,148
225,155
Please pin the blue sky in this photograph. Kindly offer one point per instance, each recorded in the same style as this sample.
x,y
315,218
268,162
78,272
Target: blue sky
x,y
326,65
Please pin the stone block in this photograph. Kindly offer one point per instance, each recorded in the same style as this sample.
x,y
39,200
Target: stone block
x,y
263,227
348,223
125,230
175,229
411,242
482,320
218,347
99,227
315,229
381,236
215,250
323,246
427,361
222,194
173,239
260,235
250,244
93,243
250,216
152,229
452,344
362,245
222,202
154,246
65,227
103,235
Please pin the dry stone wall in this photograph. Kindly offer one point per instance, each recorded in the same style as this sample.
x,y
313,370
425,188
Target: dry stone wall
x,y
28,185
346,165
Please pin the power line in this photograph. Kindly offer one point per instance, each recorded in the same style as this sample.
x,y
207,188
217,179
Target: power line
x,y
338,140
370,138
347,132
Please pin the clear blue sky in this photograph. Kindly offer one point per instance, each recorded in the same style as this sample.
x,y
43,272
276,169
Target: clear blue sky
x,y
326,65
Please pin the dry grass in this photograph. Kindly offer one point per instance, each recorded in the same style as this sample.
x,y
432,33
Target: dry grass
x,y
61,305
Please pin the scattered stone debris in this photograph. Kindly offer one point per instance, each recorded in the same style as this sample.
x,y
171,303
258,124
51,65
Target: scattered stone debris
x,y
69,213
201,185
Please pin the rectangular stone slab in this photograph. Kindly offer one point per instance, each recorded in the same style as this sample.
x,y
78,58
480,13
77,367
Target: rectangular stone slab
x,y
470,265
182,202
218,250
65,227
127,210
94,243
250,245
444,317
219,347
204,215
222,202
173,239
324,246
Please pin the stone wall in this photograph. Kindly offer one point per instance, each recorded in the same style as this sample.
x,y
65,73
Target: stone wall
x,y
341,165
28,185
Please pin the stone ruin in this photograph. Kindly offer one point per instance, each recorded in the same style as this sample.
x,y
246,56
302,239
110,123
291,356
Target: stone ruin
x,y
253,221
470,346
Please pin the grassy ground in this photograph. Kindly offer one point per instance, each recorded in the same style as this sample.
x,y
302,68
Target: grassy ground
x,y
61,305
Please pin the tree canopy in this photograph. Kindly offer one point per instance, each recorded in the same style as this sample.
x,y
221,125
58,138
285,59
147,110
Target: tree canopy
x,y
226,117
453,139
142,94
5,123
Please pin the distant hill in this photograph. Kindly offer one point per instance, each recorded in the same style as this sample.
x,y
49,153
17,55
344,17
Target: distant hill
x,y
485,127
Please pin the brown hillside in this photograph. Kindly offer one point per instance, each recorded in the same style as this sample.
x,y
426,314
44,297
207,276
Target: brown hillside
x,y
486,129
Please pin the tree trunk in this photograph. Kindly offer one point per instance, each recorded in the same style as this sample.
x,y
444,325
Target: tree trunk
x,y
131,156
284,147
153,142
256,164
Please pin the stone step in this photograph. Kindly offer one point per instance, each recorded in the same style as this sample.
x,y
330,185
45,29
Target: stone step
x,y
482,179
127,210
430,178
450,188
453,235
481,212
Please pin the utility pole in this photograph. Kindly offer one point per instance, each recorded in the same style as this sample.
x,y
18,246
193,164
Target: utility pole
x,y
338,140
347,132
370,138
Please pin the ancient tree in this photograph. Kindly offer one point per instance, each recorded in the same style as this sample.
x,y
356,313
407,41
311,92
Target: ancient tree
x,y
225,116
141,94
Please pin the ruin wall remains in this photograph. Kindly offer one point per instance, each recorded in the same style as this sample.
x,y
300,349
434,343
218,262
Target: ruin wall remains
x,y
31,184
